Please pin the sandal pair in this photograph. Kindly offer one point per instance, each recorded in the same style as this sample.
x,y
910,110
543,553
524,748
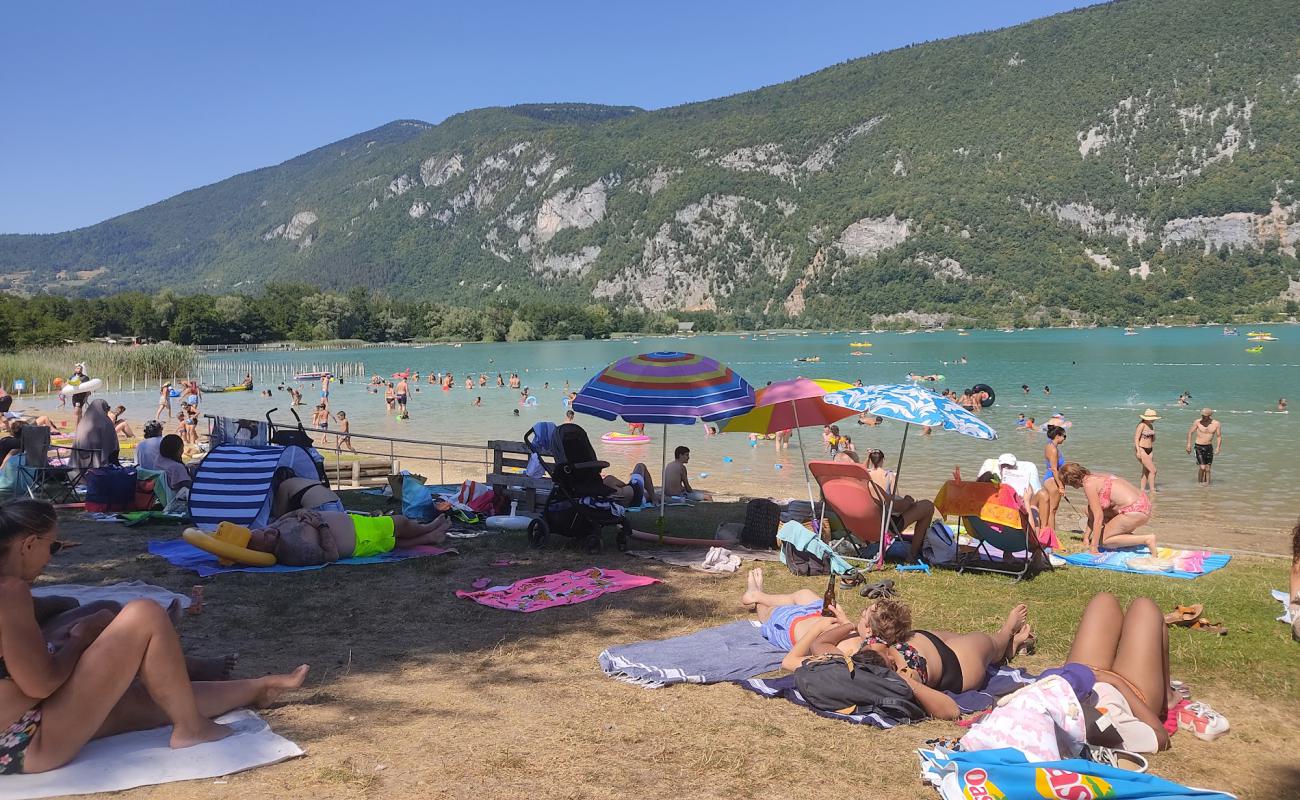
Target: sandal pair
x,y
883,590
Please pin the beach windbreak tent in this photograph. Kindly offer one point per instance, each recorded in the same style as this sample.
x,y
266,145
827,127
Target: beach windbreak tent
x,y
911,405
665,388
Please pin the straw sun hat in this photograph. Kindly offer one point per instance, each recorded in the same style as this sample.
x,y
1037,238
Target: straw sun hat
x,y
1149,415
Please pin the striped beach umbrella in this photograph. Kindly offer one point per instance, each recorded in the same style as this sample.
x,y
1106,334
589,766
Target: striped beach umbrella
x,y
665,388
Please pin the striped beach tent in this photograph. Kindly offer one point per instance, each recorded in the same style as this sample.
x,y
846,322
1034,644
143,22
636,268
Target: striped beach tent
x,y
235,483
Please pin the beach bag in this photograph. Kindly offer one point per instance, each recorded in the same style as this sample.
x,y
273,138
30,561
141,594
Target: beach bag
x,y
762,518
804,553
144,494
110,488
940,544
834,683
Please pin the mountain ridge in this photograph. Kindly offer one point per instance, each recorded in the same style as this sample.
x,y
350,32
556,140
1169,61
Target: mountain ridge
x,y
1141,152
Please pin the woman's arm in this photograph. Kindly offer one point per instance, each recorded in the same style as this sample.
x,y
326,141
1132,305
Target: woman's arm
x,y
1137,437
36,672
936,703
1096,516
804,647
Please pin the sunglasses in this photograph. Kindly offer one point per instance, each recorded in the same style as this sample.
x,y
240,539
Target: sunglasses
x,y
55,546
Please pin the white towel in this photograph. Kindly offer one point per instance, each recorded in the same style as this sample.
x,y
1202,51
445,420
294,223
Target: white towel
x,y
117,592
1286,606
143,758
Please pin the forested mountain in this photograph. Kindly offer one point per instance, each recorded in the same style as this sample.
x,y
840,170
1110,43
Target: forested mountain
x,y
1115,163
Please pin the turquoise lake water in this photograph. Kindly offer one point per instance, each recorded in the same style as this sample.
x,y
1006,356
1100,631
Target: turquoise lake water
x,y
1100,379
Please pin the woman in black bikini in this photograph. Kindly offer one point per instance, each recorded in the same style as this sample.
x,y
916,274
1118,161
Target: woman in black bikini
x,y
1144,449
53,701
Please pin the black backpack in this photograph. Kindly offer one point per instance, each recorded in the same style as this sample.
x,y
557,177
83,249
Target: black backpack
x,y
834,683
762,518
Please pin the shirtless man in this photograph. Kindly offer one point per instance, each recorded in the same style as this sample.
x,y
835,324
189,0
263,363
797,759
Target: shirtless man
x,y
1208,435
676,481
308,538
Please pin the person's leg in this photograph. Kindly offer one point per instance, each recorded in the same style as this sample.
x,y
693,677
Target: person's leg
x,y
1118,532
141,640
1054,495
1097,637
410,533
754,595
976,652
1142,655
921,514
644,472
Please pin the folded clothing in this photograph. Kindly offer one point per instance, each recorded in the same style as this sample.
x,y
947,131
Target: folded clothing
x,y
726,653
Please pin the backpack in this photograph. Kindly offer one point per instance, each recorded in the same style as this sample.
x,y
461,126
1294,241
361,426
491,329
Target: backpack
x,y
834,683
762,518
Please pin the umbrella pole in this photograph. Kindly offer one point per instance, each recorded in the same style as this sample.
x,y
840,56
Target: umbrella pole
x,y
889,507
803,460
663,494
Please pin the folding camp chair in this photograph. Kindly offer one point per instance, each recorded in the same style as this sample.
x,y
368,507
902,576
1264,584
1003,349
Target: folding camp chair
x,y
1003,540
848,491
14,480
38,474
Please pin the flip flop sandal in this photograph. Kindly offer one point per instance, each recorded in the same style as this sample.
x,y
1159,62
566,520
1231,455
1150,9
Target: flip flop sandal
x,y
1204,624
1184,616
1029,646
1181,689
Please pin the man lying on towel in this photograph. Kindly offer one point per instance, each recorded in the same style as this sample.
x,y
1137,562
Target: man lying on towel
x,y
306,537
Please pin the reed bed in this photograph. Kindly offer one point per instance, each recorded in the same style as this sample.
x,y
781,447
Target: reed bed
x,y
39,366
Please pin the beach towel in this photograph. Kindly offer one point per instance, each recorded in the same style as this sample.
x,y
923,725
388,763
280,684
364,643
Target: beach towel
x,y
186,556
1188,564
143,758
1006,773
730,652
1286,606
999,681
116,592
984,500
560,589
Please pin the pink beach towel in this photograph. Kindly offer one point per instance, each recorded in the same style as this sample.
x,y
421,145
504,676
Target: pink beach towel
x,y
560,589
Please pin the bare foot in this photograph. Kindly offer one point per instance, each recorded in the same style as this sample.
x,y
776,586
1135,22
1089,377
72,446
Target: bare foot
x,y
275,685
206,731
1151,544
1016,619
1023,641
212,669
753,587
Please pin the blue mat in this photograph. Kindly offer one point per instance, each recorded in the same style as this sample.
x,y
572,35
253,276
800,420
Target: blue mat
x,y
180,553
1117,561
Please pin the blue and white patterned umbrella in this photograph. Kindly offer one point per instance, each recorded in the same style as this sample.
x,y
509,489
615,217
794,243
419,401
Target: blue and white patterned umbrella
x,y
907,402
913,405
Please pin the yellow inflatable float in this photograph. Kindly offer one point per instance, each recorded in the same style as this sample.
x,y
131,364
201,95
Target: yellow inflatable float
x,y
230,545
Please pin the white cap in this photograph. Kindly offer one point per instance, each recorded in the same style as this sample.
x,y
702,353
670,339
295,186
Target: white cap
x,y
1007,459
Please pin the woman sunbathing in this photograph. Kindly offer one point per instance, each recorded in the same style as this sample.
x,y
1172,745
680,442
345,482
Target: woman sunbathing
x,y
54,700
306,537
937,660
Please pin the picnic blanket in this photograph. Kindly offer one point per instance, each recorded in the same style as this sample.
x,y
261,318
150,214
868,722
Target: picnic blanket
x,y
116,592
143,758
1286,606
999,681
1188,564
730,652
186,556
559,589
1006,773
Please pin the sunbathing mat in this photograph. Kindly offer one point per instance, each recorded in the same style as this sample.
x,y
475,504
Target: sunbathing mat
x,y
187,556
1006,773
116,592
143,758
729,652
1187,563
560,589
1000,681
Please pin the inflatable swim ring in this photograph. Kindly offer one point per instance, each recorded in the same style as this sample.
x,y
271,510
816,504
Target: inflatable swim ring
x,y
84,387
984,387
625,438
227,544
530,401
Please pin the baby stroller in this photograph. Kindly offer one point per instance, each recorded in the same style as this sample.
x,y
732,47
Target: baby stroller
x,y
579,505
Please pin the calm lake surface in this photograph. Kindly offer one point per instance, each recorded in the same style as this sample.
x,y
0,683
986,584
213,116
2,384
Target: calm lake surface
x,y
1100,380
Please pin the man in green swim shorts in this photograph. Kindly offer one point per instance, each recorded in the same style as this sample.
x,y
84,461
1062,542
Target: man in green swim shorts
x,y
307,537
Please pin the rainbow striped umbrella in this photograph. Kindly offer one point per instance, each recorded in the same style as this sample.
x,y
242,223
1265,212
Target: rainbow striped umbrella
x,y
665,388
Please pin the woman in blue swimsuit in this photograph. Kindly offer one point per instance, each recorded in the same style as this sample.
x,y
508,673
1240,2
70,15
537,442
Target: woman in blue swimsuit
x,y
1053,488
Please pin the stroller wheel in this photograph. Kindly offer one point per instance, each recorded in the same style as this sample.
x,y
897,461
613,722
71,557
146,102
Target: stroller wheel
x,y
537,533
624,532
594,544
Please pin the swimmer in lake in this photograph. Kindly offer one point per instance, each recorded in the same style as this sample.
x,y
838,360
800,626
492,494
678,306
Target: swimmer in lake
x,y
1281,405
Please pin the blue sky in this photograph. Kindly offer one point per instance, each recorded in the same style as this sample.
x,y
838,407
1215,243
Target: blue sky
x,y
110,106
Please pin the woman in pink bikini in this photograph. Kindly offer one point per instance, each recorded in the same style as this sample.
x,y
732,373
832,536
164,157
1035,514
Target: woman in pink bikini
x,y
1116,508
